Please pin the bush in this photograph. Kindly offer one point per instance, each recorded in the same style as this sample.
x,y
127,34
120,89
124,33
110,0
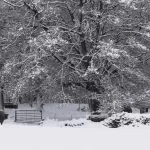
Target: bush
x,y
124,119
127,109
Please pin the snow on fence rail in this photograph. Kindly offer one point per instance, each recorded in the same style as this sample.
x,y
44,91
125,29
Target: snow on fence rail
x,y
28,116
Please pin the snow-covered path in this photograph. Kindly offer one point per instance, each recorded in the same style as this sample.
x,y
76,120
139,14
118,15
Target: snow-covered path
x,y
23,137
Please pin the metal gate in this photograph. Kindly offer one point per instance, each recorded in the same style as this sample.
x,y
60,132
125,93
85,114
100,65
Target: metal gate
x,y
28,116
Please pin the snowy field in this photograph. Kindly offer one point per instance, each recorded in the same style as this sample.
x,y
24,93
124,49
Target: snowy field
x,y
79,134
55,111
22,137
68,115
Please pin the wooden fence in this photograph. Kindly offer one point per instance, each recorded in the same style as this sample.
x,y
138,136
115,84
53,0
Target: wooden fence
x,y
28,116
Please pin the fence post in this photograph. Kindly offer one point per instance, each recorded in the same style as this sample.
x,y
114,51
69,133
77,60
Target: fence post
x,y
26,115
55,116
79,105
41,114
34,115
15,115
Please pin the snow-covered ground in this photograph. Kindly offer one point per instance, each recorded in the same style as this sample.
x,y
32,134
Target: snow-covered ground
x,y
76,134
120,120
67,115
55,111
59,112
23,137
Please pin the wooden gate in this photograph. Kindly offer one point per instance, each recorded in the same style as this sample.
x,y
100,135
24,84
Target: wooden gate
x,y
28,116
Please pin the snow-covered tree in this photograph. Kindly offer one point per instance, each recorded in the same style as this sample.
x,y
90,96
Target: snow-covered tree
x,y
78,48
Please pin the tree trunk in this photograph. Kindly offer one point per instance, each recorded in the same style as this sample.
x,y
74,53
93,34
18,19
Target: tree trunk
x,y
2,98
82,36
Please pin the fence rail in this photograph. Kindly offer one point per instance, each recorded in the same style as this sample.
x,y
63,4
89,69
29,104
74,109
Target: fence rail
x,y
28,116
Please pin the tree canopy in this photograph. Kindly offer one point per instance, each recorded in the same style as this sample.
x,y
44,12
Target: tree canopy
x,y
75,49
